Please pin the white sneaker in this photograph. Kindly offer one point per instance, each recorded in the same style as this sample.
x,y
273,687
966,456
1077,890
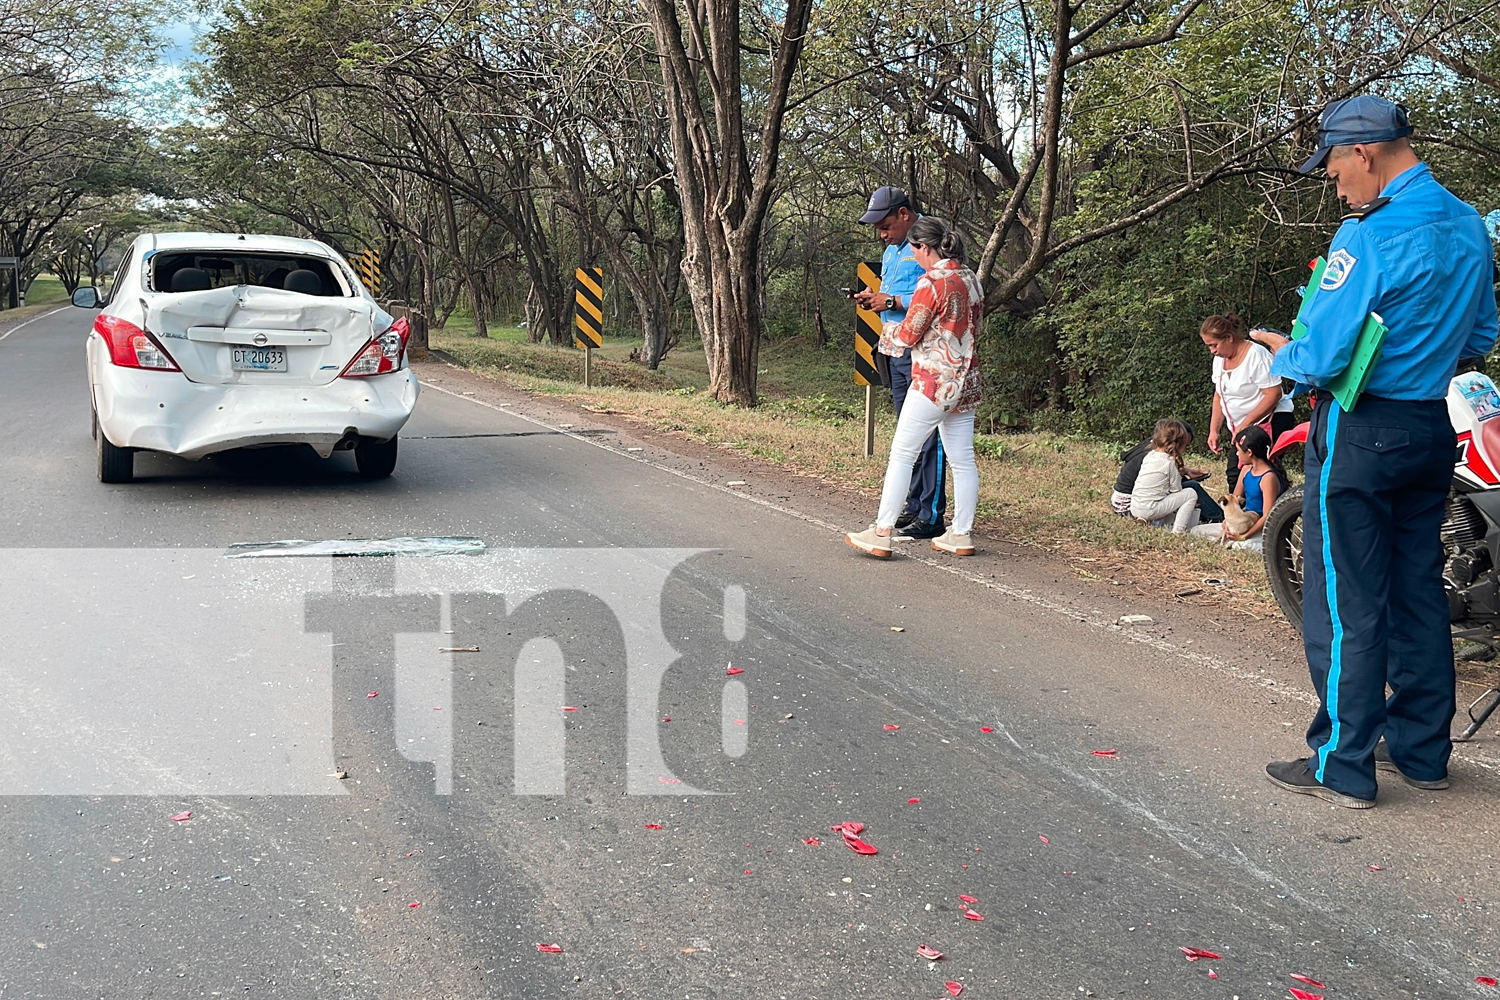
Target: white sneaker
x,y
870,543
958,545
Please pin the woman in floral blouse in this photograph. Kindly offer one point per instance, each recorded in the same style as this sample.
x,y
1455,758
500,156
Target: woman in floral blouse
x,y
940,329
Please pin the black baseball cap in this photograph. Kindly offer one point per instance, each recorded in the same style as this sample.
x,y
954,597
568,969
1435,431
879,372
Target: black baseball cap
x,y
883,202
1365,118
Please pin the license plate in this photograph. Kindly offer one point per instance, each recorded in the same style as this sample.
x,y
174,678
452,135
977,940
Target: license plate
x,y
257,359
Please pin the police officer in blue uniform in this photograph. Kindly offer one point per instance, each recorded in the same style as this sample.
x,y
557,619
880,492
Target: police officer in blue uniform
x,y
1373,607
891,213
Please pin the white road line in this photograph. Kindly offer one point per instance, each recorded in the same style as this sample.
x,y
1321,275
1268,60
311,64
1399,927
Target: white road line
x,y
22,325
1107,625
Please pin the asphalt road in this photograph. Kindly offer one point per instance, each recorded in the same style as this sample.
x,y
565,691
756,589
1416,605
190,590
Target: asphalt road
x,y
1090,872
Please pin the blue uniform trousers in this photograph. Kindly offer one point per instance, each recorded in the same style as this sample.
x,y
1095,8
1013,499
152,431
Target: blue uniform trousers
x,y
1373,608
928,498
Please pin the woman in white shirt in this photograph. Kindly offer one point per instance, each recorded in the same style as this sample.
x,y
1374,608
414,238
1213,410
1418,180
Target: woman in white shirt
x,y
1245,391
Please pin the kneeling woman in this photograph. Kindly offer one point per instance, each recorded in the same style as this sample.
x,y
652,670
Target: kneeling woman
x,y
940,328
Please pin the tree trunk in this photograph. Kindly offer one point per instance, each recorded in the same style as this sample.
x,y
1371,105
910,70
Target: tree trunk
x,y
725,197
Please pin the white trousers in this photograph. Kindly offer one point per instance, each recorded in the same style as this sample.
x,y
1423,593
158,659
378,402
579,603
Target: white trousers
x,y
919,415
1181,506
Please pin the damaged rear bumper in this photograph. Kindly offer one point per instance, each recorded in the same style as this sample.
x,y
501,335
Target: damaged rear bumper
x,y
160,411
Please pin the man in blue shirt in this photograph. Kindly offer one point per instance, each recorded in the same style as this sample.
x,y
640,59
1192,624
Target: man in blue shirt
x,y
890,212
1374,611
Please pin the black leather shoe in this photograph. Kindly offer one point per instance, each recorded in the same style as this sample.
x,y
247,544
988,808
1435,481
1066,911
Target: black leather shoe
x,y
1296,776
1384,763
921,529
905,519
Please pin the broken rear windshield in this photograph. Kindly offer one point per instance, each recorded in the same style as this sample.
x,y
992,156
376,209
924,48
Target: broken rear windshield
x,y
192,271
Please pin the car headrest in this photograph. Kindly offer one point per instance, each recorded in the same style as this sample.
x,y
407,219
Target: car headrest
x,y
304,281
190,279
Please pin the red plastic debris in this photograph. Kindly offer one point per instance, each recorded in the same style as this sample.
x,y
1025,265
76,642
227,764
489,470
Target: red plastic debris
x,y
859,846
747,871
972,915
1303,994
1193,954
849,828
1043,839
668,781
912,802
986,729
731,671
182,817
1212,974
1309,980
1487,981
812,841
570,708
1375,868
1104,753
890,728
413,906
931,954
666,718
653,826
952,987
550,949
410,853
373,694
968,899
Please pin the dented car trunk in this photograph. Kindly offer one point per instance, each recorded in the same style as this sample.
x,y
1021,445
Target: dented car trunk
x,y
252,335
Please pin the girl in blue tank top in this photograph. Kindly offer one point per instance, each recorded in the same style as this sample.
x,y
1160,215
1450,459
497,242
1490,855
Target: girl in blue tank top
x,y
1260,481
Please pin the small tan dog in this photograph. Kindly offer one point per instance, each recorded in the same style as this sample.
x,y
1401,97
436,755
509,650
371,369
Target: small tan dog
x,y
1236,518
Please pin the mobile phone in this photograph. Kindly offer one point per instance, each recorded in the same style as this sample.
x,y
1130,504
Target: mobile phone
x,y
849,293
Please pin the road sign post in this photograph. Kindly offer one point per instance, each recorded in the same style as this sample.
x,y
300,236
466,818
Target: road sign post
x,y
367,266
866,336
588,316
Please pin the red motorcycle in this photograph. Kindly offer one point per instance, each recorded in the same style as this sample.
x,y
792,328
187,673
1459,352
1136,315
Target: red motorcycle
x,y
1470,532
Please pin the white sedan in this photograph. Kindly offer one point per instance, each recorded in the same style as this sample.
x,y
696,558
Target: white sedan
x,y
209,341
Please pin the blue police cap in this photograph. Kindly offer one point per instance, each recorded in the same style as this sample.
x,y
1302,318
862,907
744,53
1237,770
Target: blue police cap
x,y
883,202
1364,118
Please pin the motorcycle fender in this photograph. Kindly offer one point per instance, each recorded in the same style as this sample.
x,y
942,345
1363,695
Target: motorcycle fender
x,y
1297,435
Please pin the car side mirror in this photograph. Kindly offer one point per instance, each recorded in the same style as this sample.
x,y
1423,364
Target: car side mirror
x,y
86,297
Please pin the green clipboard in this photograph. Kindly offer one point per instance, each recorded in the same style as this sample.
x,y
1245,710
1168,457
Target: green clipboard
x,y
1348,384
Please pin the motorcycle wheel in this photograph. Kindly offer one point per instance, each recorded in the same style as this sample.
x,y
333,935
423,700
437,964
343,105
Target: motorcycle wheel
x,y
1283,554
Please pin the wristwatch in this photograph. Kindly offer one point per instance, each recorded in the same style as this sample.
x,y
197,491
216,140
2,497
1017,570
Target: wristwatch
x,y
890,302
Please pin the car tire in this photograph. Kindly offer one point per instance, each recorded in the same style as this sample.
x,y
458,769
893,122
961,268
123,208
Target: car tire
x,y
1282,549
115,465
376,459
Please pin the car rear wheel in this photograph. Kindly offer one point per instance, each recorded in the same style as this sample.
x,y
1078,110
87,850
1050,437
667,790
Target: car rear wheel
x,y
376,459
115,465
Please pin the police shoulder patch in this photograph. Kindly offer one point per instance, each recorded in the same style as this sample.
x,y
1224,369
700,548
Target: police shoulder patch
x,y
1340,264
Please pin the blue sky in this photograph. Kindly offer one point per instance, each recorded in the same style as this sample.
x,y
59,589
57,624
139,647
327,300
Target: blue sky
x,y
179,37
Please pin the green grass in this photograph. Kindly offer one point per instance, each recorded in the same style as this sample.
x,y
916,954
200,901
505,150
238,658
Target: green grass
x,y
791,370
46,290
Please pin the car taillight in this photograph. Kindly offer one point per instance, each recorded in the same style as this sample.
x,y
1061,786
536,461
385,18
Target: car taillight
x,y
132,347
386,353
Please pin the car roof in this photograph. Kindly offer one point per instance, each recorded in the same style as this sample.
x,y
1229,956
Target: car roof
x,y
235,243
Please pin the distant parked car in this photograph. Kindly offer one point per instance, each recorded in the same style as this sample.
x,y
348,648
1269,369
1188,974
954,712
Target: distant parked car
x,y
208,342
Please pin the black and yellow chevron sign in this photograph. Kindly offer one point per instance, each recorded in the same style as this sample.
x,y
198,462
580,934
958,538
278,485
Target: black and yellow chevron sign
x,y
866,329
367,266
588,307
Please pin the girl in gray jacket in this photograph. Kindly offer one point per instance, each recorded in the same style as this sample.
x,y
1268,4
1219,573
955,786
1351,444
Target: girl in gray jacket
x,y
1159,493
